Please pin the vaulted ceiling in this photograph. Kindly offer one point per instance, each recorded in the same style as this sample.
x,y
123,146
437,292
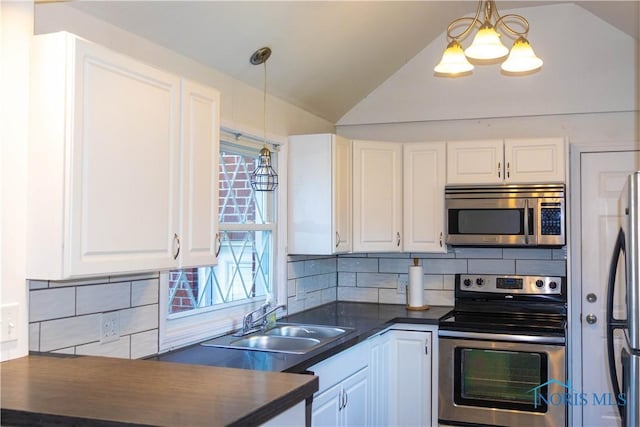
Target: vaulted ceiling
x,y
327,55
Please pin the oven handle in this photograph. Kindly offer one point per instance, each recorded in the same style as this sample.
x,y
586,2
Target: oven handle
x,y
501,337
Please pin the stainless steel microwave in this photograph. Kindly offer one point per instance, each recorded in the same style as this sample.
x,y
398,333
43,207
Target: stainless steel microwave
x,y
505,215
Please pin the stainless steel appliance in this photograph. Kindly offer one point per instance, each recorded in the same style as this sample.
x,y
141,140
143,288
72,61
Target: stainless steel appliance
x,y
502,358
627,253
506,215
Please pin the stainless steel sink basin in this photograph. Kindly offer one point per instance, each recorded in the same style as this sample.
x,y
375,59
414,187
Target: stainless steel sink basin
x,y
305,331
293,338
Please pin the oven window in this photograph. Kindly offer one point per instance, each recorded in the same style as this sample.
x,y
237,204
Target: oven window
x,y
500,379
489,221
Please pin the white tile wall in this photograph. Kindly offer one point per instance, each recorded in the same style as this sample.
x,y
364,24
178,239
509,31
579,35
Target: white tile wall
x,y
65,316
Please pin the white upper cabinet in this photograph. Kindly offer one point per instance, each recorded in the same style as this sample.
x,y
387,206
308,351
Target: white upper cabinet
x,y
319,194
534,160
423,197
398,196
509,161
200,143
377,196
105,184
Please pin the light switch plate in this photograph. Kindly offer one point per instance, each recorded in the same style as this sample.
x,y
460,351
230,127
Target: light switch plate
x,y
9,322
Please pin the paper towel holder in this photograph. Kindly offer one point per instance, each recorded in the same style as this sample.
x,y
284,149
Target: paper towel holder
x,y
409,307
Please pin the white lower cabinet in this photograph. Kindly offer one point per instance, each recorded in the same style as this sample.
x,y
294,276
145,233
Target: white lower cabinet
x,y
403,381
343,398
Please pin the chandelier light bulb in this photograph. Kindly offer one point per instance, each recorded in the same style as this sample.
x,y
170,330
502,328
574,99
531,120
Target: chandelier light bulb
x,y
521,59
486,44
453,61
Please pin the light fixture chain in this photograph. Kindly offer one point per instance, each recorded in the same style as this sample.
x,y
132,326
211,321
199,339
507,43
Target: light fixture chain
x,y
264,118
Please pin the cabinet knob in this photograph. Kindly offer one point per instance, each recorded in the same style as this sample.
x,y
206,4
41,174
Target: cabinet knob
x,y
591,297
591,319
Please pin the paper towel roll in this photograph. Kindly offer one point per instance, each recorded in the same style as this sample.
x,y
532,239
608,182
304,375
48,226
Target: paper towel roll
x,y
416,287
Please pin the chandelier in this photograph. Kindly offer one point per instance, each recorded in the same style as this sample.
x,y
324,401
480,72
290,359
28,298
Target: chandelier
x,y
487,47
264,177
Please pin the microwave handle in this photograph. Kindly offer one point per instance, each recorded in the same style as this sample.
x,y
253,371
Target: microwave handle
x,y
526,221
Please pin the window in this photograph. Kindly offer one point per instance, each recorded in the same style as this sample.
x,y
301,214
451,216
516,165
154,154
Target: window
x,y
218,295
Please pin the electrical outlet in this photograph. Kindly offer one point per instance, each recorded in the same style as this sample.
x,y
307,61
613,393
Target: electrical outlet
x,y
401,285
109,327
9,323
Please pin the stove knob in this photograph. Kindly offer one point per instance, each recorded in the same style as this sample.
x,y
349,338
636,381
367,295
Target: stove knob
x,y
553,285
479,281
467,282
540,283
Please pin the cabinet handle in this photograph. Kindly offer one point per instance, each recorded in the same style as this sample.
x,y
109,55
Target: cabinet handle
x,y
341,400
346,399
398,239
441,239
337,239
508,172
499,168
219,244
176,243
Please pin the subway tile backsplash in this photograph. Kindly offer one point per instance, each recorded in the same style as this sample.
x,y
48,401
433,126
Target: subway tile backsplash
x,y
378,277
65,316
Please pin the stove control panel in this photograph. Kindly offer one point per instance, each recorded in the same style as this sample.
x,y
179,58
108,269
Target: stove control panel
x,y
529,285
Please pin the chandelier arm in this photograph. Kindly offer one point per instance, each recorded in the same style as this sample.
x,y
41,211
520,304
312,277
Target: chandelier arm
x,y
455,22
523,22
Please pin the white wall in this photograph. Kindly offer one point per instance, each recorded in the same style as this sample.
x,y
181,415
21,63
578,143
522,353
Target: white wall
x,y
586,90
241,104
16,27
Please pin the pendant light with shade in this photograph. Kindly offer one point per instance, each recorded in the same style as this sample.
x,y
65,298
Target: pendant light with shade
x,y
487,48
264,177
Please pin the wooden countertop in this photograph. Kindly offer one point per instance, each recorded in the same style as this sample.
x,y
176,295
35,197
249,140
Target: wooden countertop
x,y
107,391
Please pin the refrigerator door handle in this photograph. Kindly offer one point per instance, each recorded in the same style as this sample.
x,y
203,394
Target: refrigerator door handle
x,y
613,323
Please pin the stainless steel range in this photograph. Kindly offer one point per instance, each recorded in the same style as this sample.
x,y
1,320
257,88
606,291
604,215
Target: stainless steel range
x,y
502,352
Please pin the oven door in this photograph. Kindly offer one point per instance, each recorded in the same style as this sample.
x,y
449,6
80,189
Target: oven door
x,y
486,222
502,383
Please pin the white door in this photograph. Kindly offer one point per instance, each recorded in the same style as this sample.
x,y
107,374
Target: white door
x,y
602,178
423,182
199,174
377,196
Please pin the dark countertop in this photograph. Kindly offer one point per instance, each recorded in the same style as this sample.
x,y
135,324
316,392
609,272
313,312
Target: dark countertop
x,y
103,391
366,318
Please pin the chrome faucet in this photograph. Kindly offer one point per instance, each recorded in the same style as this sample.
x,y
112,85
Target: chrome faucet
x,y
259,323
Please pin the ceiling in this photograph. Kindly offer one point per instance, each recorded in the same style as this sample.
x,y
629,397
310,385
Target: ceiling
x,y
327,55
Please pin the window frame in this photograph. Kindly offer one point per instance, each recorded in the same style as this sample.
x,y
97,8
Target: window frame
x,y
189,327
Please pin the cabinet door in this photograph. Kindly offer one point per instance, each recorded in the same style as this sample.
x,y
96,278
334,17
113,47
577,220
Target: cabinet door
x,y
355,407
410,378
475,162
377,193
379,380
327,408
342,191
424,181
124,171
534,160
199,174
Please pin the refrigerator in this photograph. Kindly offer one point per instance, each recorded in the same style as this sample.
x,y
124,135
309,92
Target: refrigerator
x,y
625,262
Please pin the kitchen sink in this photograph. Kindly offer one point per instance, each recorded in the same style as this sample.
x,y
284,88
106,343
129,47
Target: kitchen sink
x,y
295,338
